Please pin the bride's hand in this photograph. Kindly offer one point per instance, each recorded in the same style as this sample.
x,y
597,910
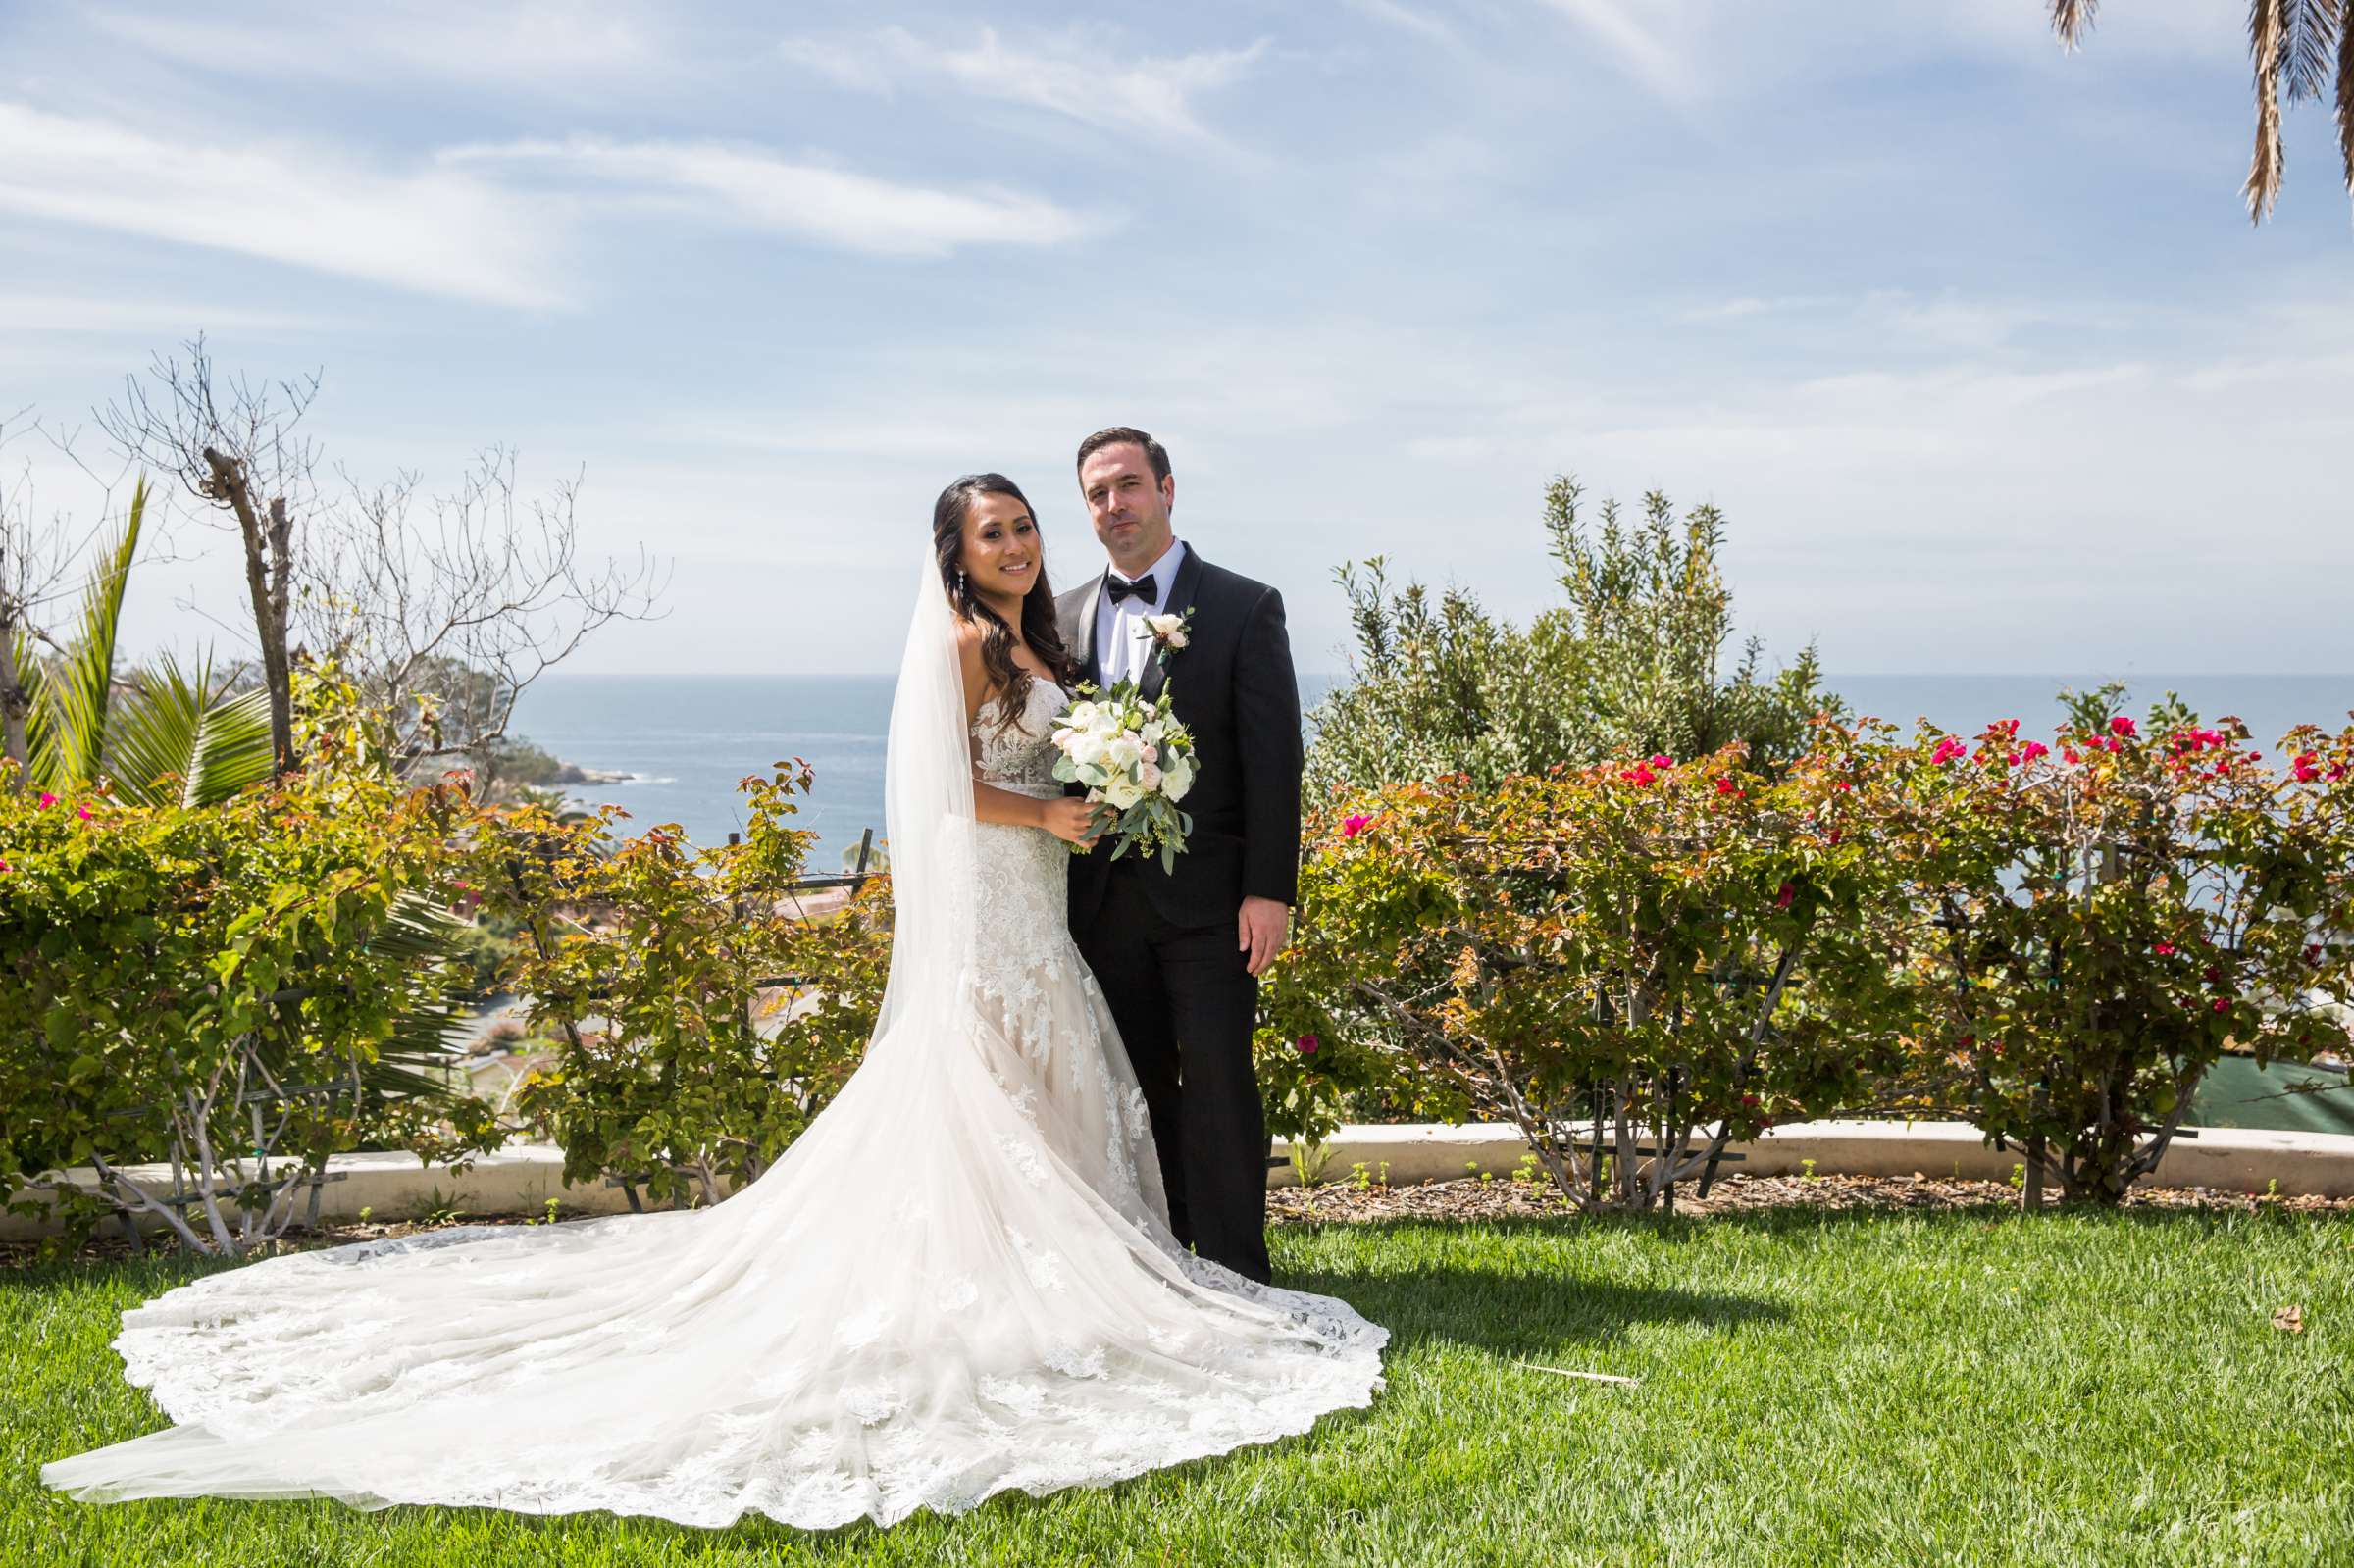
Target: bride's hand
x,y
1069,819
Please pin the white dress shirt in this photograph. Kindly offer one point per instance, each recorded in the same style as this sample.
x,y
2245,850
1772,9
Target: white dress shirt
x,y
1122,644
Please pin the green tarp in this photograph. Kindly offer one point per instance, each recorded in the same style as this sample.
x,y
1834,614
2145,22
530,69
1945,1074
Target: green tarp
x,y
2236,1093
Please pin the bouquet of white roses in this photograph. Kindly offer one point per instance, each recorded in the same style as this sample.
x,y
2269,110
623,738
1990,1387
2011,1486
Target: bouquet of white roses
x,y
1137,762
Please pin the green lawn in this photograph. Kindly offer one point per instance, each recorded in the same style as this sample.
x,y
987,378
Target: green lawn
x,y
1816,1389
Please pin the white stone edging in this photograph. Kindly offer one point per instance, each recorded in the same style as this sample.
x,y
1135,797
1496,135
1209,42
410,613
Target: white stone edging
x,y
521,1178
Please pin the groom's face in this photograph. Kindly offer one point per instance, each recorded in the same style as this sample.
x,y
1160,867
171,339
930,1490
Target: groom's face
x,y
1128,507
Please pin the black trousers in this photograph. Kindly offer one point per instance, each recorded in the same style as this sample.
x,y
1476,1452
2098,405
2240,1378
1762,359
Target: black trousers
x,y
1187,1006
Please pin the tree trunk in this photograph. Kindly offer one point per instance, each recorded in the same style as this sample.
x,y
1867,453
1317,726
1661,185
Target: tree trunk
x,y
269,566
15,705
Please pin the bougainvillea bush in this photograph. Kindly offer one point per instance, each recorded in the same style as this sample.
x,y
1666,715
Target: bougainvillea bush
x,y
1611,958
174,972
2090,920
683,1070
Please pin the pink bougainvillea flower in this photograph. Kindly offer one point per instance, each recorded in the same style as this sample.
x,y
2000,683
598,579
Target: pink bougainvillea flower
x,y
1306,1045
1351,826
2070,755
1725,787
1949,750
1842,786
5,866
84,812
2033,749
2307,770
2336,773
2123,726
2221,1004
2164,949
2008,728
1750,1100
1781,900
47,800
2312,953
1640,774
1662,760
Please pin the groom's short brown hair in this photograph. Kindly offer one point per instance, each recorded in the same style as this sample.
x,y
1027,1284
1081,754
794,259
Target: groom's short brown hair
x,y
1155,453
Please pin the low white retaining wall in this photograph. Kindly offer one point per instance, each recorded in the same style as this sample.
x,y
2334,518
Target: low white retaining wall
x,y
2229,1159
520,1179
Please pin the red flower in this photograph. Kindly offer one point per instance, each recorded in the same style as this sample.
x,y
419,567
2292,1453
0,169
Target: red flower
x,y
1750,1100
1306,1045
2123,726
47,800
1725,787
2069,754
84,812
1966,1042
2164,949
2223,1005
1662,760
2312,953
2033,749
1640,774
2214,976
2305,770
1351,826
2008,728
5,866
1949,750
1781,900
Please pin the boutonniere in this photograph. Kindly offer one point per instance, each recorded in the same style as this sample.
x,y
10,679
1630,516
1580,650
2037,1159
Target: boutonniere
x,y
1169,633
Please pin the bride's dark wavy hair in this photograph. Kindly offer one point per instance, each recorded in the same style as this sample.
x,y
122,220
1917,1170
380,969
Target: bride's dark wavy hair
x,y
1008,681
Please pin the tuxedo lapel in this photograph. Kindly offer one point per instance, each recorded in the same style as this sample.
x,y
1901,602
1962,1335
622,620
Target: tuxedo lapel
x,y
1083,641
1176,601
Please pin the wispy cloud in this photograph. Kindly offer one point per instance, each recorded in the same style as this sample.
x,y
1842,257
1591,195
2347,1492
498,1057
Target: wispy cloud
x,y
557,46
811,201
65,313
1419,22
1078,74
434,230
1665,71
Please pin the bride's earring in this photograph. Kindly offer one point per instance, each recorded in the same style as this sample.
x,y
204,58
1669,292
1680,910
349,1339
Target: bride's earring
x,y
960,593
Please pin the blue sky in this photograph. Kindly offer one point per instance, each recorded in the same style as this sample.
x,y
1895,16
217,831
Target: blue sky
x,y
1968,337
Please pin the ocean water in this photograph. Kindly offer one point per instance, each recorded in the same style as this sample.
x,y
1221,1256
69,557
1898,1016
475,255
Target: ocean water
x,y
688,739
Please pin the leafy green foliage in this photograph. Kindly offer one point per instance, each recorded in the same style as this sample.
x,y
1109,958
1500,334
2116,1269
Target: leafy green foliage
x,y
156,955
1631,666
684,1068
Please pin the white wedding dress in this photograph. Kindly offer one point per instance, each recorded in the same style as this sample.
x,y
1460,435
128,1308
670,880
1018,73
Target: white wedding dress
x,y
959,1280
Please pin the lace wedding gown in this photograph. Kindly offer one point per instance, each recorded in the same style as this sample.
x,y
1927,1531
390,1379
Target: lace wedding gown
x,y
959,1281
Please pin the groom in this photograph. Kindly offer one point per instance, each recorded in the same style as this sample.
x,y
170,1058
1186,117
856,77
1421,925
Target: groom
x,y
1178,953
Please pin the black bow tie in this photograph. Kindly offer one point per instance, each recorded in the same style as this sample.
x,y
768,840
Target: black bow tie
x,y
1143,588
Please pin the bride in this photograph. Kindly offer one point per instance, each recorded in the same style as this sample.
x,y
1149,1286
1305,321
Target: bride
x,y
959,1281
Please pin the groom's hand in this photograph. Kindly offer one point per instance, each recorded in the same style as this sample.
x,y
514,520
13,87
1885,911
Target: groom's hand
x,y
1265,927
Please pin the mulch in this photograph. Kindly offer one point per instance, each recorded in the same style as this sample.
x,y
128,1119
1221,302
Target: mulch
x,y
1496,1198
1467,1200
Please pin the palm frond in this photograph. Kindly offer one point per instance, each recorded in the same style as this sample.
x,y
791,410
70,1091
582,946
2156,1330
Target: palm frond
x,y
2072,20
76,754
2345,95
2309,45
436,1025
176,738
2267,38
40,727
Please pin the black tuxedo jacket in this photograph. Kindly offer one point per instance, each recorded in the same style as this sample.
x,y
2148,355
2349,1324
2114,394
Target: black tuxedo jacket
x,y
1233,686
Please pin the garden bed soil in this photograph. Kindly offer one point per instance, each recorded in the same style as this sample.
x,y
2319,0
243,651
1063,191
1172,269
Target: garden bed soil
x,y
1471,1200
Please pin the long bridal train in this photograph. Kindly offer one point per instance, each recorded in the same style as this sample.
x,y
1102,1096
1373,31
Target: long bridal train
x,y
959,1280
